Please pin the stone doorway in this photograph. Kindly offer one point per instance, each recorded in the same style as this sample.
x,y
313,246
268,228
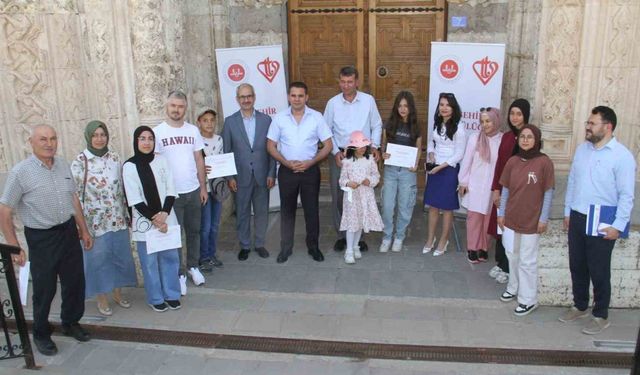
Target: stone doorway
x,y
387,40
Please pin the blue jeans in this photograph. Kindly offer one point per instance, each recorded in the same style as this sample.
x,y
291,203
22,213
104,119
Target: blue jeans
x,y
209,228
399,185
160,272
109,264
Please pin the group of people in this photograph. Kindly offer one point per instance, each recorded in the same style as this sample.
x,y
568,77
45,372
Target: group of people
x,y
503,179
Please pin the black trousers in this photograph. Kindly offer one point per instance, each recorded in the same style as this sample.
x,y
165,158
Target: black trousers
x,y
589,260
53,253
501,256
307,184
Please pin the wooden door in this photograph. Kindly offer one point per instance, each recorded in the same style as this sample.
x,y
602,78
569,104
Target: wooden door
x,y
388,41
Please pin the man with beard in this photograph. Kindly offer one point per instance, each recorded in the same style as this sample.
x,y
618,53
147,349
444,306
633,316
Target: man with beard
x,y
602,173
182,144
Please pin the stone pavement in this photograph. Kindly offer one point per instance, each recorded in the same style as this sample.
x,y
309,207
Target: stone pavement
x,y
404,298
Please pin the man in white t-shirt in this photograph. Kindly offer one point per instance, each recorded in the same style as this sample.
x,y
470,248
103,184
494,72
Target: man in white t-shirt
x,y
181,144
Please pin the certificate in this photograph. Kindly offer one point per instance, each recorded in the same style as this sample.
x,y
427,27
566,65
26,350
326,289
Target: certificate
x,y
23,285
401,156
221,165
158,241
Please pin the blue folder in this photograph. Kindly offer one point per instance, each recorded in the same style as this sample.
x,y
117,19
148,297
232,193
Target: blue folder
x,y
599,214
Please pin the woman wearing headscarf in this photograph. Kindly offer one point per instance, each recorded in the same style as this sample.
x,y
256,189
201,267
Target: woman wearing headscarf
x,y
517,117
475,177
108,266
150,194
527,189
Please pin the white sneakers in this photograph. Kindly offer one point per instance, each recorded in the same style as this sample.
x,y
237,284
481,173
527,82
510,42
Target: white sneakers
x,y
500,276
385,245
494,272
356,252
349,256
196,276
397,245
183,285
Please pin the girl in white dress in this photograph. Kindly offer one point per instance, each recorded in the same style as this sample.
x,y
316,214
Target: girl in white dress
x,y
358,177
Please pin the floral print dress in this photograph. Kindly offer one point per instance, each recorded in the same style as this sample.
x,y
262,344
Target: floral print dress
x,y
361,211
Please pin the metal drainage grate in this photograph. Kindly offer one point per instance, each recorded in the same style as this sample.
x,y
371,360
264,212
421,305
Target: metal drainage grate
x,y
561,358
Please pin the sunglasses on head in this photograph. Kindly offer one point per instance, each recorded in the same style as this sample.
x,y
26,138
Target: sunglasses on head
x,y
485,109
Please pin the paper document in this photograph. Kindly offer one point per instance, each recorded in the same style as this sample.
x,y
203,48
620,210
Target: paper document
x,y
401,156
158,241
23,282
221,165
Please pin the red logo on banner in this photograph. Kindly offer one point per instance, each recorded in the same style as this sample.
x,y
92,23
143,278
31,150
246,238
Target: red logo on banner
x,y
449,69
485,69
236,72
269,68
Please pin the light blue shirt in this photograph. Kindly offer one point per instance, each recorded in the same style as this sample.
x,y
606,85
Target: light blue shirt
x,y
604,176
298,141
344,117
250,127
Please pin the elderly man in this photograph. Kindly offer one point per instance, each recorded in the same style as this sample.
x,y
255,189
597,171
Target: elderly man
x,y
602,173
181,143
297,130
345,113
245,134
42,191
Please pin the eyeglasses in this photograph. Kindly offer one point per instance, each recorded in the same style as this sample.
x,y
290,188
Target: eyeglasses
x,y
591,123
485,109
245,97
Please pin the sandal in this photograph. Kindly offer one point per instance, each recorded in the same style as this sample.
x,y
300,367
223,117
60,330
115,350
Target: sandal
x,y
427,249
122,302
106,311
439,252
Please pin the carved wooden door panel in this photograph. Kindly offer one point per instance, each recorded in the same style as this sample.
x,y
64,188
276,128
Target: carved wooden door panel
x,y
400,36
387,40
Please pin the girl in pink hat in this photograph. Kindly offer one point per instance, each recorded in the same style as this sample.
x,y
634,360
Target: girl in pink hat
x,y
358,177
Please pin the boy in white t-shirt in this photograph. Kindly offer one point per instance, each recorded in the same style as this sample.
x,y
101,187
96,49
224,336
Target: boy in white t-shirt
x,y
210,222
181,144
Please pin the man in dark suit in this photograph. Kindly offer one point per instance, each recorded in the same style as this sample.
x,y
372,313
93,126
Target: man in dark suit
x,y
245,134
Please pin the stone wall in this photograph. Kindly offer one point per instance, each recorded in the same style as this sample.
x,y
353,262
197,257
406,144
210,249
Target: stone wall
x,y
65,62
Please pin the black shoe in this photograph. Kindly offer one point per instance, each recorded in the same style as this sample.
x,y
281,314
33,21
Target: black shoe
x,y
161,307
173,304
215,262
282,257
262,252
45,345
244,254
472,257
206,266
340,245
363,246
316,254
483,256
77,332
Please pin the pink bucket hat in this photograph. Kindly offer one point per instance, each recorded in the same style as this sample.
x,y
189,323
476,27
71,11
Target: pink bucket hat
x,y
358,140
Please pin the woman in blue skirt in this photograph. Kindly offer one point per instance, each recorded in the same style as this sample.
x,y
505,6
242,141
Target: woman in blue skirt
x,y
445,149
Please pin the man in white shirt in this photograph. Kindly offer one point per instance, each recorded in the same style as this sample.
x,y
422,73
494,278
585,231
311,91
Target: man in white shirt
x,y
181,143
345,113
297,131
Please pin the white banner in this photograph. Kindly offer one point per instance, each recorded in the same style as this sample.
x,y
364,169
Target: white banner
x,y
262,67
471,71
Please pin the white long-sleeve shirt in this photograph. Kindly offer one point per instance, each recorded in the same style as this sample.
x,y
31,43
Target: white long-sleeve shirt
x,y
344,117
447,150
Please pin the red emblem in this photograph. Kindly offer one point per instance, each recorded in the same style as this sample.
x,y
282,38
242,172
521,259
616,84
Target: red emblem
x,y
269,68
236,72
485,69
449,69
